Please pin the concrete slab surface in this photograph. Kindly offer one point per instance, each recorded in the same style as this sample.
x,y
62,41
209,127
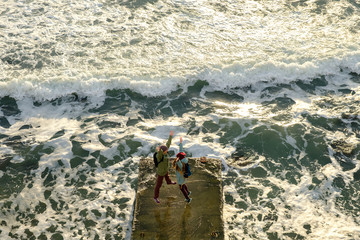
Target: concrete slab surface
x,y
173,218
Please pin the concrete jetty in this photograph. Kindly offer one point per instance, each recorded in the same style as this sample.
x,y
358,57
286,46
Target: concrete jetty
x,y
173,218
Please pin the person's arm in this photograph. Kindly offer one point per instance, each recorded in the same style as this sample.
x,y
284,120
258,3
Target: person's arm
x,y
170,139
181,145
159,154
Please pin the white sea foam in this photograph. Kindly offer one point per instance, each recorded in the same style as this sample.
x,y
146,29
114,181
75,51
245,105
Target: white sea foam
x,y
295,208
304,206
89,48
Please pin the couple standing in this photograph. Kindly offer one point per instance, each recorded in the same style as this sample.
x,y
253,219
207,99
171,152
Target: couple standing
x,y
163,169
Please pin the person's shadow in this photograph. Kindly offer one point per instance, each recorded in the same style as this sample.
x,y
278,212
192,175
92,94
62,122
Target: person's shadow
x,y
164,223
185,222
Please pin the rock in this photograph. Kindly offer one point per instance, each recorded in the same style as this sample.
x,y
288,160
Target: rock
x,y
241,158
341,146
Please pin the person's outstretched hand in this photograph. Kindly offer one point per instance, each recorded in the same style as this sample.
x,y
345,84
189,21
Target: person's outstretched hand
x,y
171,133
181,140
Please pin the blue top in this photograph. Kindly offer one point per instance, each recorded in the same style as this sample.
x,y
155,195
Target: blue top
x,y
180,176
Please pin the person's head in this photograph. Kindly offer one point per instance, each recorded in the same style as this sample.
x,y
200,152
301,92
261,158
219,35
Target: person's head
x,y
164,149
181,155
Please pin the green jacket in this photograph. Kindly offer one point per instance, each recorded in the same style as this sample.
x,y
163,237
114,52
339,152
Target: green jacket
x,y
163,166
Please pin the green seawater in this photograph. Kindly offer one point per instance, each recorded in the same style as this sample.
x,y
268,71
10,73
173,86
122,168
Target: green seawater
x,y
278,163
89,88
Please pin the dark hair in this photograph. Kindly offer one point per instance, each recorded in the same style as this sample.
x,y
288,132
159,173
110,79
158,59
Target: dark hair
x,y
164,148
181,155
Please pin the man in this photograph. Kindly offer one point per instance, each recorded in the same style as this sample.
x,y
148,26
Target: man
x,y
162,169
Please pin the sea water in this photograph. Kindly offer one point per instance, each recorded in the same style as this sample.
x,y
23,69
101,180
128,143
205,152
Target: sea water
x,y
88,88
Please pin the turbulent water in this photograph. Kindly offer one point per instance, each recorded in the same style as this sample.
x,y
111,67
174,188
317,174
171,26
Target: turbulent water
x,y
88,88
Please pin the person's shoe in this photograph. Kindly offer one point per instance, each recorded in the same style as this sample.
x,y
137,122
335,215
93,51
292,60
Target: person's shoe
x,y
188,200
189,193
172,183
156,200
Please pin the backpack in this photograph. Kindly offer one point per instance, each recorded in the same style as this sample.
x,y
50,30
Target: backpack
x,y
156,163
187,172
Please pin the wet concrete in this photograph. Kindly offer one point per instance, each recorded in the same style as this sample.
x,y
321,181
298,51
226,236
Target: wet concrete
x,y
173,218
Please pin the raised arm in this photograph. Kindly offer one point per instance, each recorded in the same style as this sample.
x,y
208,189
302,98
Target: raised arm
x,y
170,139
181,145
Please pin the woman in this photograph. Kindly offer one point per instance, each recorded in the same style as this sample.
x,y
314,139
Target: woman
x,y
179,164
162,169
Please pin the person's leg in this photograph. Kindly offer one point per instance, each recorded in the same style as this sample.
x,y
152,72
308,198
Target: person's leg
x,y
168,180
159,181
184,191
186,188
